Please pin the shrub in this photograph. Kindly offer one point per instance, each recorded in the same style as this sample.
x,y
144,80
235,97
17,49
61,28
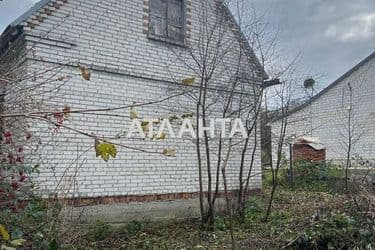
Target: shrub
x,y
220,223
131,228
99,231
25,218
335,231
321,171
255,210
34,225
281,176
313,176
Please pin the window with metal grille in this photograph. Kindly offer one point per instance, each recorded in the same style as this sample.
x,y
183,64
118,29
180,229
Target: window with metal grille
x,y
167,20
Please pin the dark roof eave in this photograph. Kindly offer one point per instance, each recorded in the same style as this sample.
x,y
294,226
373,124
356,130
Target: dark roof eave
x,y
16,23
10,34
15,29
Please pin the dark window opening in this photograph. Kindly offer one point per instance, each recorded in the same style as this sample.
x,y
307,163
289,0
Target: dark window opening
x,y
167,20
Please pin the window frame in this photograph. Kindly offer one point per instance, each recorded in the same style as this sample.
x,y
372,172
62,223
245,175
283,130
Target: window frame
x,y
166,38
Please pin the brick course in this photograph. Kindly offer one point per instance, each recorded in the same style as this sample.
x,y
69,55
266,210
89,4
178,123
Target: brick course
x,y
81,202
307,153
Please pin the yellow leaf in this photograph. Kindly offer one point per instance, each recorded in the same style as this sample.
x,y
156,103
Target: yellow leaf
x,y
145,126
187,115
18,242
169,152
106,150
161,136
85,73
188,81
133,113
4,233
173,118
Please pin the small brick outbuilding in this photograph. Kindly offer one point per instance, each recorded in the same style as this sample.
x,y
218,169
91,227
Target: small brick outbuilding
x,y
308,149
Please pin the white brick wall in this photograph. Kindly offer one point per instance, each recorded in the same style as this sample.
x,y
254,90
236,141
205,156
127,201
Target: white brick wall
x,y
126,67
329,116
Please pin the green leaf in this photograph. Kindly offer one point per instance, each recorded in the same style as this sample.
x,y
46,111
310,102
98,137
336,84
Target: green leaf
x,y
53,245
18,242
106,150
16,234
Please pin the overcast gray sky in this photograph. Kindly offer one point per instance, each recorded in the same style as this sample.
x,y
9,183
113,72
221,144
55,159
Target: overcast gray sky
x,y
11,9
331,35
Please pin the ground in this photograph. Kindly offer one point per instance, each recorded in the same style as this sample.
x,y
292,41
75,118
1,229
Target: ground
x,y
294,212
315,212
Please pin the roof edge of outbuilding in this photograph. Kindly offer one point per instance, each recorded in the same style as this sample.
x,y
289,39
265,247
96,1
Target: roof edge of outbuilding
x,y
333,84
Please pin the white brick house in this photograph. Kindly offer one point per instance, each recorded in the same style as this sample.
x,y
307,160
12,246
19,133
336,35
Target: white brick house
x,y
326,115
127,47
